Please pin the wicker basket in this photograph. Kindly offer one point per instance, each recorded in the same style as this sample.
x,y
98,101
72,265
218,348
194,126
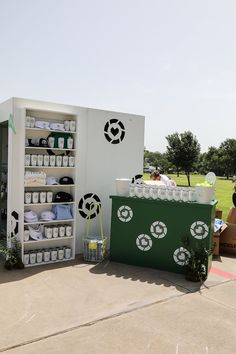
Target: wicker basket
x,y
94,247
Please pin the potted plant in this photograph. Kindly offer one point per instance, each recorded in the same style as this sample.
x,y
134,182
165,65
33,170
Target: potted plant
x,y
12,255
196,269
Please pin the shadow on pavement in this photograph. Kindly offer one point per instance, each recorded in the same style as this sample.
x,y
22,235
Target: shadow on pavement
x,y
145,275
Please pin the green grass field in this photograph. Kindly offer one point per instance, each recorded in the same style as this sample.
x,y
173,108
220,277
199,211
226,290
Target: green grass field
x,y
224,189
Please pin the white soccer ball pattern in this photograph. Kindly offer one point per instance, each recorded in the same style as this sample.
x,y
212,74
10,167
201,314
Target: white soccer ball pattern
x,y
181,256
199,230
125,213
158,229
144,242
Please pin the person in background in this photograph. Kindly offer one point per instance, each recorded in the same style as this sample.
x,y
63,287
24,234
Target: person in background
x,y
156,176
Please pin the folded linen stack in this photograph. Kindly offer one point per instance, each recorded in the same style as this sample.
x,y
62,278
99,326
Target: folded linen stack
x,y
34,178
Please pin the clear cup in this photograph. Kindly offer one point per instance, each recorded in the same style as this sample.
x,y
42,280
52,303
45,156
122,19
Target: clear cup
x,y
192,195
169,193
146,192
177,194
154,192
139,191
132,190
185,195
162,193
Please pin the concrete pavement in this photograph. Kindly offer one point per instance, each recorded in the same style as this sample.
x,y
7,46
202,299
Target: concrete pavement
x,y
116,308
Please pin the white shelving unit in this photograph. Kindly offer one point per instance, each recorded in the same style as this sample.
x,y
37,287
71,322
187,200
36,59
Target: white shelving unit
x,y
33,251
107,145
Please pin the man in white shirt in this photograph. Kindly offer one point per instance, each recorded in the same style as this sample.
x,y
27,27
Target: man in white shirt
x,y
156,176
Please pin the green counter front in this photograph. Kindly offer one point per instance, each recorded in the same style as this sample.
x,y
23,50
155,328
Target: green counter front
x,y
149,232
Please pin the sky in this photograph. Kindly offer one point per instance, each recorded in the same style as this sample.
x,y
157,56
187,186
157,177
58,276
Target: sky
x,y
173,61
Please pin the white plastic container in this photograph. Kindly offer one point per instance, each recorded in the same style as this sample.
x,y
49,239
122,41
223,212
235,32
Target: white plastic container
x,y
122,186
204,194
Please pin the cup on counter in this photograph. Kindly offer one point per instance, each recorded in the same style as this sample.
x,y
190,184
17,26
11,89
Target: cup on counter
x,y
132,190
162,193
139,191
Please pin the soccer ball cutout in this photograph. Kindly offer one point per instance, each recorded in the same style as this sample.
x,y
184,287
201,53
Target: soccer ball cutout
x,y
144,242
125,213
85,203
181,256
199,230
158,229
138,179
114,131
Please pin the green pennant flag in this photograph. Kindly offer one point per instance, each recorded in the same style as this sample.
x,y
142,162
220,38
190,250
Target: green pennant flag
x,y
11,123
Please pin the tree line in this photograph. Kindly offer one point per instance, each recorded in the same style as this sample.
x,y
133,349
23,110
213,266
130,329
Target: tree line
x,y
183,154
